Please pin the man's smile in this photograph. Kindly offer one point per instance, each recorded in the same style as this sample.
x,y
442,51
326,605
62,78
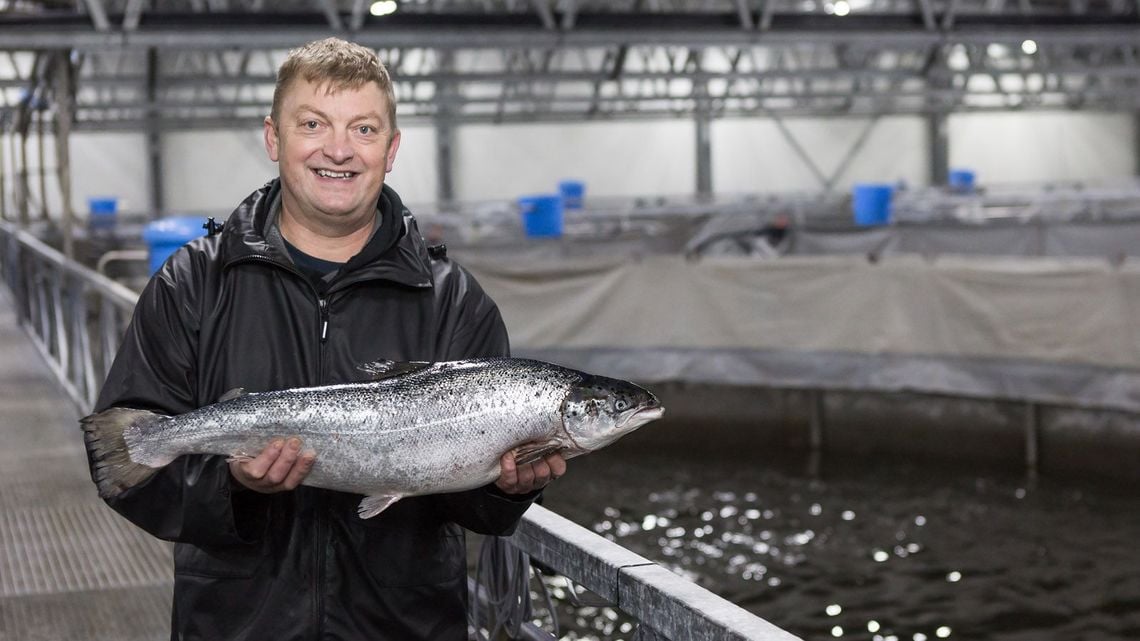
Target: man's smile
x,y
339,175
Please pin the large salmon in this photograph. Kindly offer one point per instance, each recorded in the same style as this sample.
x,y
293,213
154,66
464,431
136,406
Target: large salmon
x,y
415,428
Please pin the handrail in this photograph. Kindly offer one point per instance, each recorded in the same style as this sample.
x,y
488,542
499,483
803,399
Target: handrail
x,y
60,303
54,297
666,605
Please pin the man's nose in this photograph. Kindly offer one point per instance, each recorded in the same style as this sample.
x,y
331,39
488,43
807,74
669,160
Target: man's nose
x,y
338,146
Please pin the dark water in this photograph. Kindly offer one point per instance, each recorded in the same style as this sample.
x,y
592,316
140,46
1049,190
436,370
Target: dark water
x,y
872,551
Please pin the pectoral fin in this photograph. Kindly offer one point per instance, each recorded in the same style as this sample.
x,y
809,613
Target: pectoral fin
x,y
375,504
530,452
236,392
379,370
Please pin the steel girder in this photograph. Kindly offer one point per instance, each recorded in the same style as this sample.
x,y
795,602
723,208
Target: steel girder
x,y
211,62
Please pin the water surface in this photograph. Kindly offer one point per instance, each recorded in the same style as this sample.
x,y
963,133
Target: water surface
x,y
883,550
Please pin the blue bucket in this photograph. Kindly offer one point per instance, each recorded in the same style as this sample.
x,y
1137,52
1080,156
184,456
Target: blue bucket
x,y
164,236
961,181
871,203
101,212
541,215
573,193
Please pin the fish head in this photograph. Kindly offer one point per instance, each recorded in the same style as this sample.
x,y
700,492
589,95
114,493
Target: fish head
x,y
599,410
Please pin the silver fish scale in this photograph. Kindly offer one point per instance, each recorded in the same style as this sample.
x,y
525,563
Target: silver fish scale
x,y
439,429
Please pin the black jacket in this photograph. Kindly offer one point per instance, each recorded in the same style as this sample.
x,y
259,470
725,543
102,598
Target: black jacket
x,y
231,310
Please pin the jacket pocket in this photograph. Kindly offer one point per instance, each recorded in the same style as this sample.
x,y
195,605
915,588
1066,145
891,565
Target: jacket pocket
x,y
217,561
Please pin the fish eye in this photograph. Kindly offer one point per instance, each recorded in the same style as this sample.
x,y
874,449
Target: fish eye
x,y
621,404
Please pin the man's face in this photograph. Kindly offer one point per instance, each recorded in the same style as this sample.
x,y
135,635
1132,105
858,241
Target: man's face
x,y
333,150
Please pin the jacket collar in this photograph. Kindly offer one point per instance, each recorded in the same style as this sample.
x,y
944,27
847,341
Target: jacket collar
x,y
404,261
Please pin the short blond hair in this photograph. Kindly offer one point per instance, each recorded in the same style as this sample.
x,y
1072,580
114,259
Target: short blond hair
x,y
341,64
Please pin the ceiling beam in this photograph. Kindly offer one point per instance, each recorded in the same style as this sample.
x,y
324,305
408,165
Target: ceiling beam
x,y
887,35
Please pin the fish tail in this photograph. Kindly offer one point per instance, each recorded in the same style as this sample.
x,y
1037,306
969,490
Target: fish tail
x,y
111,466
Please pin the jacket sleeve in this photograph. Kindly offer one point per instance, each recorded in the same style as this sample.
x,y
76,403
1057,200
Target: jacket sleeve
x,y
155,369
477,331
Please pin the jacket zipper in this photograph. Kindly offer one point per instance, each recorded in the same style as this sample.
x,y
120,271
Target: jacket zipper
x,y
323,303
318,499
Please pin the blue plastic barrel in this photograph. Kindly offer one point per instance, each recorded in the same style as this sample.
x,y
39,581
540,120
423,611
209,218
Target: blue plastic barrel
x,y
961,180
573,193
166,235
871,203
541,215
101,212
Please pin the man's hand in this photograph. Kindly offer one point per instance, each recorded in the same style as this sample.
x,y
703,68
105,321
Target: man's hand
x,y
530,477
281,466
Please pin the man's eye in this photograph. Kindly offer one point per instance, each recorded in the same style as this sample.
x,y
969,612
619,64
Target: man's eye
x,y
367,129
311,124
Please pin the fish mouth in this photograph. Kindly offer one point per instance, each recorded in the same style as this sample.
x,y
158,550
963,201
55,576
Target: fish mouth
x,y
643,416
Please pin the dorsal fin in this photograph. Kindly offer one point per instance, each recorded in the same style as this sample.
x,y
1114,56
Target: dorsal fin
x,y
232,394
382,369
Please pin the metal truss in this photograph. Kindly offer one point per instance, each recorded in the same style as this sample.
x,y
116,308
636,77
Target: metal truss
x,y
208,63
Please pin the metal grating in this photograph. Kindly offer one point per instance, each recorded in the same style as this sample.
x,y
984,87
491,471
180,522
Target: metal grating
x,y
75,548
70,568
133,614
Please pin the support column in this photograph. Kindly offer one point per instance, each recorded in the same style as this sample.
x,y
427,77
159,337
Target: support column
x,y
937,126
154,137
445,134
21,162
444,159
1136,143
41,116
704,155
3,174
64,99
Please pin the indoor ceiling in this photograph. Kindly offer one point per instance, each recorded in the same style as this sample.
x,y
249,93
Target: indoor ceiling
x,y
207,63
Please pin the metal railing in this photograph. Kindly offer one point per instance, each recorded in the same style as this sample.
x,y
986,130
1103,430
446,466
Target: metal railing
x,y
74,316
666,605
61,303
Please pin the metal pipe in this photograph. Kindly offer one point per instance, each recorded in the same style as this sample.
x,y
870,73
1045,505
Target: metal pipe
x,y
4,172
64,99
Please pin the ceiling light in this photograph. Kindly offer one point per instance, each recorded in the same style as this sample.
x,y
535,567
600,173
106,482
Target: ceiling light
x,y
383,8
842,8
1029,47
997,50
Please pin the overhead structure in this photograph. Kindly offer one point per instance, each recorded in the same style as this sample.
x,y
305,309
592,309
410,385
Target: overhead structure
x,y
155,66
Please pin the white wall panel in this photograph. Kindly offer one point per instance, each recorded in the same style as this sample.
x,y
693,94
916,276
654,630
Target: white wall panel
x,y
102,164
107,164
751,155
414,176
1044,146
210,172
613,158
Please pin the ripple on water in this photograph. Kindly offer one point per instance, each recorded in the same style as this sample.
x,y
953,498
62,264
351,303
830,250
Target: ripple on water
x,y
881,552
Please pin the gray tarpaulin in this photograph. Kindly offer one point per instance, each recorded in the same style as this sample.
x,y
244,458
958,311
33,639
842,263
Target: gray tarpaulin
x,y
1049,330
1037,238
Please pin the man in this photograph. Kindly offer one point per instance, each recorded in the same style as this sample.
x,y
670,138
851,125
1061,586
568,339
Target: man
x,y
316,272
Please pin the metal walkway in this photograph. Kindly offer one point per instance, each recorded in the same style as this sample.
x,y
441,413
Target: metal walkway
x,y
70,568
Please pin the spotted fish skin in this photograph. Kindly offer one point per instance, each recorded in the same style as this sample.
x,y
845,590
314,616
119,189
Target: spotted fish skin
x,y
418,428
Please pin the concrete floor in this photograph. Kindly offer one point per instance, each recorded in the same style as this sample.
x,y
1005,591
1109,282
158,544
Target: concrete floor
x,y
70,568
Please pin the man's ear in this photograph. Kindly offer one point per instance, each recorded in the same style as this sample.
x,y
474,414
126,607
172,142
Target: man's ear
x,y
271,142
393,147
